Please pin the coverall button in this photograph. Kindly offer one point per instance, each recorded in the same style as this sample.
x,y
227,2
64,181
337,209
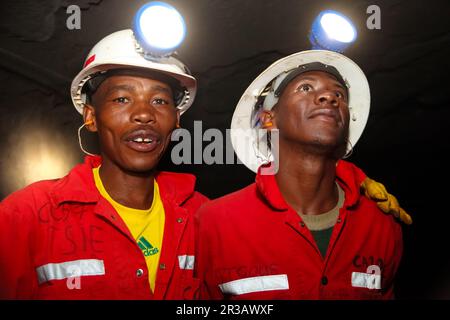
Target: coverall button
x,y
162,266
302,224
324,280
139,272
180,220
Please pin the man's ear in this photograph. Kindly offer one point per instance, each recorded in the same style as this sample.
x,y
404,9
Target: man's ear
x,y
89,118
266,118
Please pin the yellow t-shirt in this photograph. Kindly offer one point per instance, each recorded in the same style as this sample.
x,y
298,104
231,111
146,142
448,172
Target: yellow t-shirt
x,y
146,226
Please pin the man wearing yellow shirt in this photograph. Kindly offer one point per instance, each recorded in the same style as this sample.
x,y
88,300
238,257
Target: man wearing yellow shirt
x,y
146,226
115,227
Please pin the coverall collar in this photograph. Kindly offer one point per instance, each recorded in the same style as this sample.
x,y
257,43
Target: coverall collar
x,y
347,175
79,185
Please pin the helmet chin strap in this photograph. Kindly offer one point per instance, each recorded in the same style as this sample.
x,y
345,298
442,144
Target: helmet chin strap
x,y
80,143
349,152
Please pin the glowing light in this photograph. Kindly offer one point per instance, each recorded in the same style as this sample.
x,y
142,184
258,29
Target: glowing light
x,y
338,28
333,31
159,28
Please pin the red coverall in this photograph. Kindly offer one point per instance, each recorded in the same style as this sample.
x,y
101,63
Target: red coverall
x,y
253,245
59,239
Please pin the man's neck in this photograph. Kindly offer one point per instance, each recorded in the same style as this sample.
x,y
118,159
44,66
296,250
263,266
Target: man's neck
x,y
307,180
133,191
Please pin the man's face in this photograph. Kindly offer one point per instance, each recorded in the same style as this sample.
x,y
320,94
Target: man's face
x,y
134,117
313,110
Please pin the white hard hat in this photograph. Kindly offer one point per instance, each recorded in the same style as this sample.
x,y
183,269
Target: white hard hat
x,y
120,50
250,145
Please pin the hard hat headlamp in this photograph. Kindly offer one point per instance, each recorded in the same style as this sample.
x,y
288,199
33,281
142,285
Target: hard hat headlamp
x,y
332,31
159,29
